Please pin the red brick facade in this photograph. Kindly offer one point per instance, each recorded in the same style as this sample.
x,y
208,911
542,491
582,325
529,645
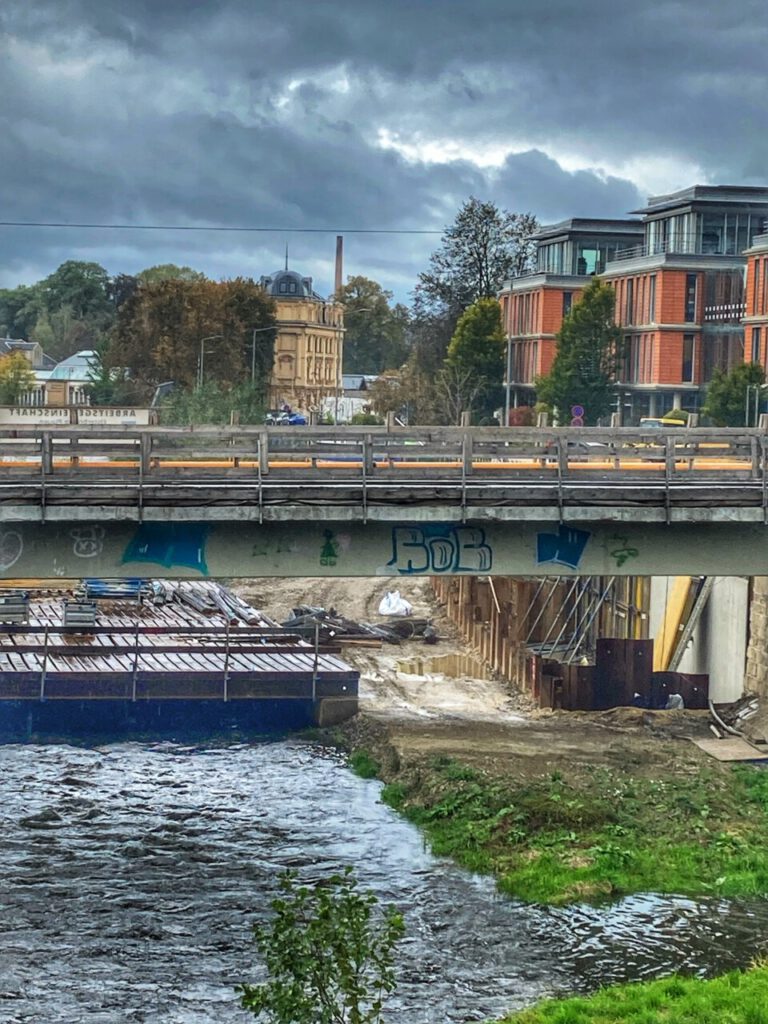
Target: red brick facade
x,y
756,302
532,316
691,284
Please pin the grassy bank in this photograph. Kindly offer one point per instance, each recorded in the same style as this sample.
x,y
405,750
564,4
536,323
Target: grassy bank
x,y
736,998
602,833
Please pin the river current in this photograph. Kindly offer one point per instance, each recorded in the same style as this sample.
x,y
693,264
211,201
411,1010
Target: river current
x,y
131,875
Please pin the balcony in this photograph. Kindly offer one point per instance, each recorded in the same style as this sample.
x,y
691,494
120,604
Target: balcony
x,y
688,245
726,313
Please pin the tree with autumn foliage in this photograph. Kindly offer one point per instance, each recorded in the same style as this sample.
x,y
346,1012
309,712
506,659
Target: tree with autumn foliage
x,y
162,325
16,377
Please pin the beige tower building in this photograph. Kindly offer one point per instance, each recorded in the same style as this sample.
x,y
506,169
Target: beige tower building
x,y
308,346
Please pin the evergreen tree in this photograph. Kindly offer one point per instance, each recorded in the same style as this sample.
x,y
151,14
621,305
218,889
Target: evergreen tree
x,y
589,350
475,360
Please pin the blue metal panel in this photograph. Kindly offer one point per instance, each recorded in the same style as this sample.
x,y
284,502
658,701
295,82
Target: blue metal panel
x,y
181,720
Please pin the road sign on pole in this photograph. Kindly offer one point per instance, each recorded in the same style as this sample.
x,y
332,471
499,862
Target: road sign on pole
x,y
577,415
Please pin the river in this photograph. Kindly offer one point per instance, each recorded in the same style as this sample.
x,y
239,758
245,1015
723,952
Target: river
x,y
131,875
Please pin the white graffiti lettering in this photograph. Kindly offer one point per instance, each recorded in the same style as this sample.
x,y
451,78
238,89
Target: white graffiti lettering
x,y
11,548
88,541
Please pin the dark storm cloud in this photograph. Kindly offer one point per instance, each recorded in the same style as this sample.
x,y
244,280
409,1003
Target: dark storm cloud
x,y
242,112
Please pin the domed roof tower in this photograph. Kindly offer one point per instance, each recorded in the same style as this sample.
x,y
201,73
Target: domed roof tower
x,y
289,284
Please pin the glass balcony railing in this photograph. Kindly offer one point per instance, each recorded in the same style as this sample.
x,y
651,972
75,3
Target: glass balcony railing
x,y
686,245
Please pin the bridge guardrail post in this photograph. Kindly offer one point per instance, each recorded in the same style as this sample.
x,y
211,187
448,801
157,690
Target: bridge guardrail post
x,y
46,468
263,453
669,469
466,470
46,453
368,464
145,455
145,465
368,469
562,472
262,458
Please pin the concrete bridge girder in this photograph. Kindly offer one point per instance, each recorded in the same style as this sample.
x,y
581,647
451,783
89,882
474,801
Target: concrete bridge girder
x,y
177,549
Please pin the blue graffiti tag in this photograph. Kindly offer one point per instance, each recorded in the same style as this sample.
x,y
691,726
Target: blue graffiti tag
x,y
438,549
564,547
169,545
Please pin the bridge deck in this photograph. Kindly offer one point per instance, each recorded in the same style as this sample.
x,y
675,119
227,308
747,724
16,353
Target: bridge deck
x,y
251,474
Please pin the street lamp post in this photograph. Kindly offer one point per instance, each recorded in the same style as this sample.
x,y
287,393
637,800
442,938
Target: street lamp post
x,y
752,406
201,359
508,381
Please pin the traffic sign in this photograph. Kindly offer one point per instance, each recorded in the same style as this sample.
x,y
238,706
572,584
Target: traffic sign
x,y
577,411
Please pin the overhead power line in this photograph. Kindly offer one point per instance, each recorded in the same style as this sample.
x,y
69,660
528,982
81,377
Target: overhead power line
x,y
217,227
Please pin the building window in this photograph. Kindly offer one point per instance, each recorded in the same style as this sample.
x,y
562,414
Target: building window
x,y
629,308
690,298
652,299
755,344
567,302
649,359
688,348
756,292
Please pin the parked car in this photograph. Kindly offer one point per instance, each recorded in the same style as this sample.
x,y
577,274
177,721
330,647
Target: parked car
x,y
285,419
652,451
662,423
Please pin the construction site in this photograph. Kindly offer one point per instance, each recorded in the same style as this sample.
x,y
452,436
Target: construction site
x,y
156,659
170,659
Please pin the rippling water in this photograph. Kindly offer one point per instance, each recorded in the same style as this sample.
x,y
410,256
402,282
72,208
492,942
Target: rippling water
x,y
131,875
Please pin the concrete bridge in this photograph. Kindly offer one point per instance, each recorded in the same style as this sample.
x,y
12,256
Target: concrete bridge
x,y
246,502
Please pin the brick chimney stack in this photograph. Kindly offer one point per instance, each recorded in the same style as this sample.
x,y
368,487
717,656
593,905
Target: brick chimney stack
x,y
339,266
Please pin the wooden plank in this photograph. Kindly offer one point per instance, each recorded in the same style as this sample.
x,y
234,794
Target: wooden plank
x,y
732,748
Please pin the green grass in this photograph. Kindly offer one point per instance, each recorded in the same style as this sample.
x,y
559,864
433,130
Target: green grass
x,y
362,764
606,834
735,998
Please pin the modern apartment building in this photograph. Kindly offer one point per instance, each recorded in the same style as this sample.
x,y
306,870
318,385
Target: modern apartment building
x,y
533,306
756,301
680,298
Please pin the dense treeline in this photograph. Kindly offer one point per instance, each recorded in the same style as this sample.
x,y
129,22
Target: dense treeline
x,y
439,357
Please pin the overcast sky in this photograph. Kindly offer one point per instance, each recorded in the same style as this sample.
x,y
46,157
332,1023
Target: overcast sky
x,y
366,114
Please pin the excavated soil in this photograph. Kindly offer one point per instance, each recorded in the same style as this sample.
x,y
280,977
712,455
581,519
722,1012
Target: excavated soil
x,y
409,718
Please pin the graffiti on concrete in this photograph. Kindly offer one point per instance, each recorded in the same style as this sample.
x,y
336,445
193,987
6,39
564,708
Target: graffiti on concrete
x,y
621,550
562,548
438,549
329,552
11,548
88,541
172,545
